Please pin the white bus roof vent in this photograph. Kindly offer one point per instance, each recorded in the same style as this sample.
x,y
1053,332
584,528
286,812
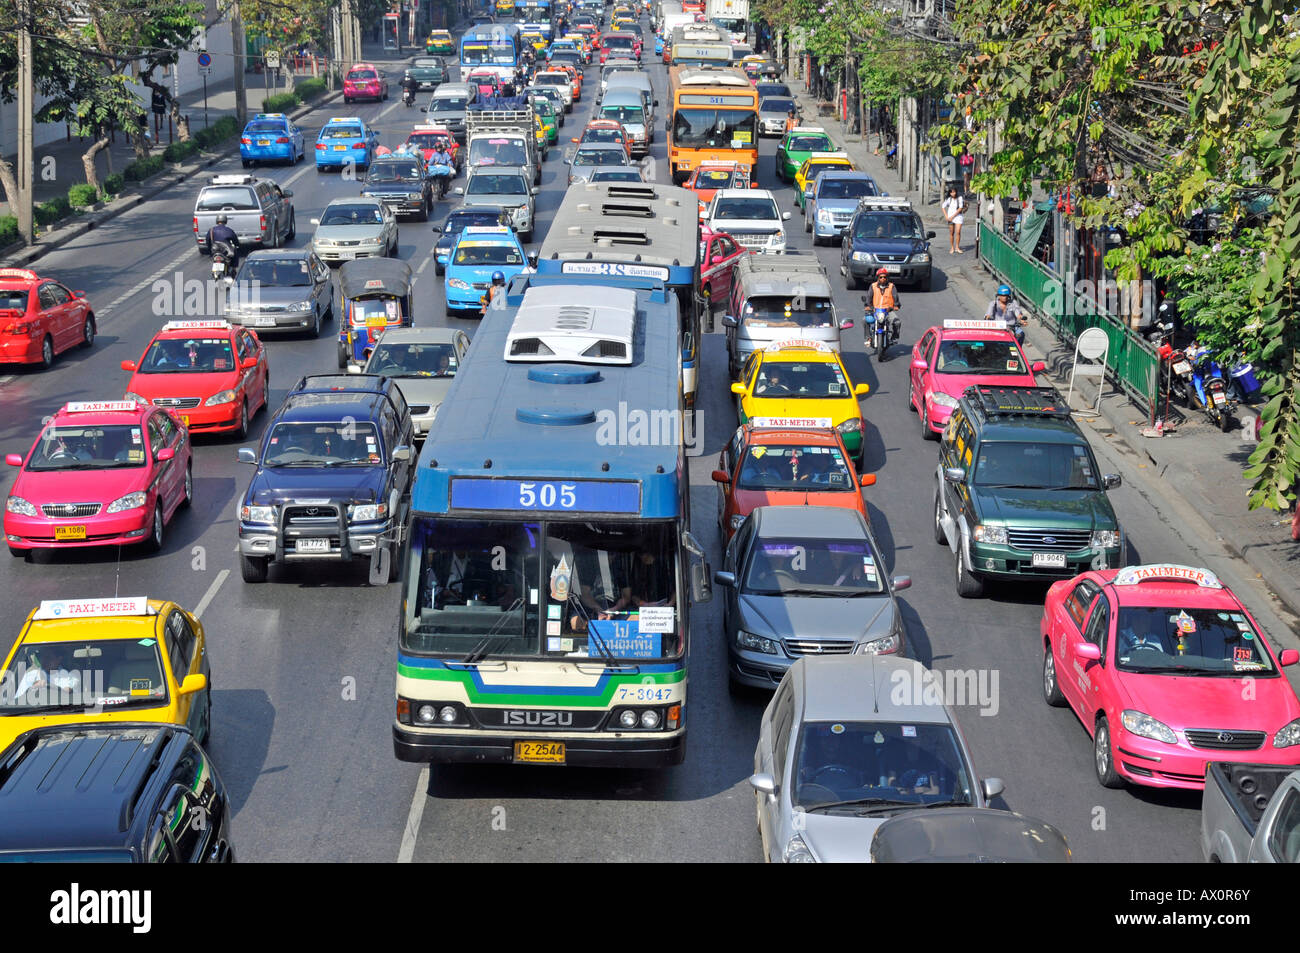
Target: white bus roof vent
x,y
551,326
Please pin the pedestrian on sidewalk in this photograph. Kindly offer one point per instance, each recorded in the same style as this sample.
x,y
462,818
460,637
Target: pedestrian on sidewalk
x,y
954,208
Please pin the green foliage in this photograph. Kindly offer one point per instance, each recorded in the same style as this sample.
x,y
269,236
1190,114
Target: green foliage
x,y
180,151
8,230
82,194
47,213
224,128
309,89
142,169
114,184
280,102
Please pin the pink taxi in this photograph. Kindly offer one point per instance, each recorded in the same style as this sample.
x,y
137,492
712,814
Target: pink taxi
x,y
101,473
1167,670
950,358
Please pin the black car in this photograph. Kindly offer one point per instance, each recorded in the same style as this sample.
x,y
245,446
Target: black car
x,y
333,478
402,183
457,221
885,233
124,792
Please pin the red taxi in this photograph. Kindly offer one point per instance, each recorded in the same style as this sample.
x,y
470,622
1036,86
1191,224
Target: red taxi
x,y
764,465
948,359
101,473
365,81
1167,670
40,318
719,253
423,137
606,130
707,177
486,82
213,375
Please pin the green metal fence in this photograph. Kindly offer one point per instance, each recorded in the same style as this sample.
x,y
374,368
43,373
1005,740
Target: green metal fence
x,y
1132,364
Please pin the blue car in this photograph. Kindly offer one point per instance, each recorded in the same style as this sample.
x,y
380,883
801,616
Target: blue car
x,y
659,45
270,137
459,220
478,252
345,141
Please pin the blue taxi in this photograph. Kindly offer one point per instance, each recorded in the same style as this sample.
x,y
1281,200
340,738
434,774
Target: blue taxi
x,y
271,137
563,46
344,141
478,252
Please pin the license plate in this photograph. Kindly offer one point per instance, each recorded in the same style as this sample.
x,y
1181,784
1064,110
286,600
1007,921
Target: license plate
x,y
259,322
1049,560
347,255
313,545
1219,398
263,142
1182,367
340,148
185,419
894,269
69,532
539,752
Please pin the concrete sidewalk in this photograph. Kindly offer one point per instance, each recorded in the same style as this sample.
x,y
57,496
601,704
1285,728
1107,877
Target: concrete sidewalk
x,y
1192,460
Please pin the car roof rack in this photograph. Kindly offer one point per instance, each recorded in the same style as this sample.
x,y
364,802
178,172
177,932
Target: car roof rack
x,y
885,203
1017,401
239,178
340,383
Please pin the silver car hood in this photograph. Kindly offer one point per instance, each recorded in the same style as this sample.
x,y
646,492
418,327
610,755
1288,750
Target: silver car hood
x,y
262,295
423,390
348,233
817,617
839,839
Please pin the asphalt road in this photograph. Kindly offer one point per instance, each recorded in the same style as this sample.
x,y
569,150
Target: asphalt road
x,y
303,666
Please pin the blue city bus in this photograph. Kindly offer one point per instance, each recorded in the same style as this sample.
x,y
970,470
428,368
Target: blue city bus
x,y
548,568
491,46
533,10
645,231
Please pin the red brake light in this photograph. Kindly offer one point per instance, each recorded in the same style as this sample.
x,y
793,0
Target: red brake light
x,y
320,146
196,223
245,141
282,140
262,221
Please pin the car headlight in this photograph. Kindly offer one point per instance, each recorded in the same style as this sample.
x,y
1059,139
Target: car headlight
x,y
797,852
736,520
135,397
755,643
367,512
881,646
257,514
323,242
852,425
1105,538
823,216
1286,736
862,256
943,400
457,284
414,196
221,397
778,238
300,306
132,501
19,506
921,258
990,534
1140,723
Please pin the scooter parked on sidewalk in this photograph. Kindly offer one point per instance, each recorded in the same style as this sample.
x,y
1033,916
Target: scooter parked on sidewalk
x,y
1209,390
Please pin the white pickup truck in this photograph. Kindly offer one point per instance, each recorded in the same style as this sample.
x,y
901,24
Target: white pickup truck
x,y
1250,813
502,132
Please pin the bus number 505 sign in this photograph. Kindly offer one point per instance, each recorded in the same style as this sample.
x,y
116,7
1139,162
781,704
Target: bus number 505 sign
x,y
546,494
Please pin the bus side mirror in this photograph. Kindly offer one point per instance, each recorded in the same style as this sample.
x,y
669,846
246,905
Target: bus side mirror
x,y
729,321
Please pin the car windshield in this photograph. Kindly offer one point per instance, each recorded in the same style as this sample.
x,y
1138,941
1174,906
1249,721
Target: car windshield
x,y
542,106
234,198
426,140
448,104
13,299
789,467
114,673
715,179
490,184
343,443
776,104
458,221
264,126
812,567
846,189
498,151
276,272
856,767
875,225
341,132
383,173
759,209
351,215
814,169
89,447
188,356
413,360
979,357
1179,640
792,312
814,379
603,135
633,115
600,157
715,128
809,144
357,74
474,253
1036,466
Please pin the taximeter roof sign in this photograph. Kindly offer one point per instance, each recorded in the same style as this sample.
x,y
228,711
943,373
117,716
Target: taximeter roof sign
x,y
88,608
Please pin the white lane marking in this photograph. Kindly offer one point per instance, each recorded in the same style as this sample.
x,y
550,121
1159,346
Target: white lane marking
x,y
307,167
407,850
168,270
212,591
424,264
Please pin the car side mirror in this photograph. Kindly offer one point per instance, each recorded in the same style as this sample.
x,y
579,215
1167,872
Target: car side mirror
x,y
861,390
954,474
763,784
401,454
532,258
1110,480
1087,651
720,476
920,364
354,368
929,234
194,683
727,579
424,109
1038,367
248,363
14,459
164,454
785,216
867,479
458,190
655,103
128,365
287,193
729,321
1288,657
314,221
992,787
247,455
535,190
738,388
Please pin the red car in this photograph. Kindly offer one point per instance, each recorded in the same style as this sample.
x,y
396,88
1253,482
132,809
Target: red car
x,y
1167,670
947,360
40,318
101,473
212,375
423,137
606,130
719,253
485,81
785,466
706,178
365,81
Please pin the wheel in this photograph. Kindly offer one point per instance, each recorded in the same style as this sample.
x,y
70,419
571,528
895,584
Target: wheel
x,y
319,167
1225,421
807,225
1051,690
315,327
851,280
207,714
1103,756
254,568
940,536
241,432
347,100
911,398
881,352
424,209
155,541
188,498
394,568
293,227
88,331
18,553
343,357
926,432
246,164
925,283
969,585
526,237
47,353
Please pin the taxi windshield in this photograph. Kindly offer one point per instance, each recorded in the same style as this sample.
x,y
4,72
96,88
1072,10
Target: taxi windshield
x,y
413,360
426,140
350,443
791,467
351,215
341,132
850,766
89,447
979,357
814,567
714,178
815,379
188,355
487,253
808,144
67,676
781,312
603,135
1176,640
1035,466
276,272
600,157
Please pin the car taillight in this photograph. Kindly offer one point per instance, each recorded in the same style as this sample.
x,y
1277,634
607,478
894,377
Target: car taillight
x,y
245,141
263,223
22,327
196,224
282,140
320,146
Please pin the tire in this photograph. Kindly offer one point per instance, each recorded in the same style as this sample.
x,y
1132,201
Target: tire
x,y
47,353
293,227
424,209
940,536
438,270
925,283
851,280
241,432
188,499
394,568
207,714
1225,421
246,164
254,568
319,167
315,328
526,237
911,397
343,357
88,331
969,585
1051,687
926,432
881,352
155,541
807,226
347,101
18,553
1103,756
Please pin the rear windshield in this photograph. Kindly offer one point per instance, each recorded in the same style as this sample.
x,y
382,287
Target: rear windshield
x,y
461,220
846,189
774,311
13,300
362,74
341,132
235,198
624,114
264,126
276,272
382,173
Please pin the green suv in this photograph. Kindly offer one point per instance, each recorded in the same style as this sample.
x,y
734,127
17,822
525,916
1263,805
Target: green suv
x,y
1017,492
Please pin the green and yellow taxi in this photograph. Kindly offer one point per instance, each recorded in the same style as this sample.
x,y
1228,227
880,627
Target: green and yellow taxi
x,y
129,659
796,146
536,40
544,110
440,43
801,383
815,165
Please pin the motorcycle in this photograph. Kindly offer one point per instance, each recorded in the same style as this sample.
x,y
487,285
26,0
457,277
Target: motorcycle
x,y
442,175
891,158
882,328
408,96
1208,388
223,258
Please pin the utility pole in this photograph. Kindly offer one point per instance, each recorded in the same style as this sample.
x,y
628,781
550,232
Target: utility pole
x,y
239,48
336,49
26,114
348,38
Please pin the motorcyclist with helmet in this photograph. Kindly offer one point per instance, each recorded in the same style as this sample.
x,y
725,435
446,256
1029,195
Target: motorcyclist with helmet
x,y
1004,310
498,287
885,295
441,157
222,234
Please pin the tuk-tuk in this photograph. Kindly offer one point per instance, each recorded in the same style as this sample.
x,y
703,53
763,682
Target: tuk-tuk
x,y
376,296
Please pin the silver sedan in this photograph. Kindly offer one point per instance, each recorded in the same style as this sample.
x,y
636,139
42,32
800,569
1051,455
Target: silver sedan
x,y
355,228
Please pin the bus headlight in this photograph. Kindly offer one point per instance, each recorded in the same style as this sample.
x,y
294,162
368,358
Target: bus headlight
x,y
650,718
628,718
426,714
448,714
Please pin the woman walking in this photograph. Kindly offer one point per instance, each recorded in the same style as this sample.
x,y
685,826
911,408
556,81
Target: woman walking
x,y
954,207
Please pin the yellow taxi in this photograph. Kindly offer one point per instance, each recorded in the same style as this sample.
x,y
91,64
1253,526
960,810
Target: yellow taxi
x,y
624,22
131,659
801,383
440,43
539,134
815,165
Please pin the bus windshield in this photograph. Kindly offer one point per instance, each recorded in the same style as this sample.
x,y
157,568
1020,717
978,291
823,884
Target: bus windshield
x,y
478,588
714,128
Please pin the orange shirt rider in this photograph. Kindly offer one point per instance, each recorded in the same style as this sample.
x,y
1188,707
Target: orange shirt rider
x,y
884,294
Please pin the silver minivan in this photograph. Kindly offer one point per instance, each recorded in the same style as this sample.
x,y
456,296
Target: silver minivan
x,y
628,105
777,298
624,79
